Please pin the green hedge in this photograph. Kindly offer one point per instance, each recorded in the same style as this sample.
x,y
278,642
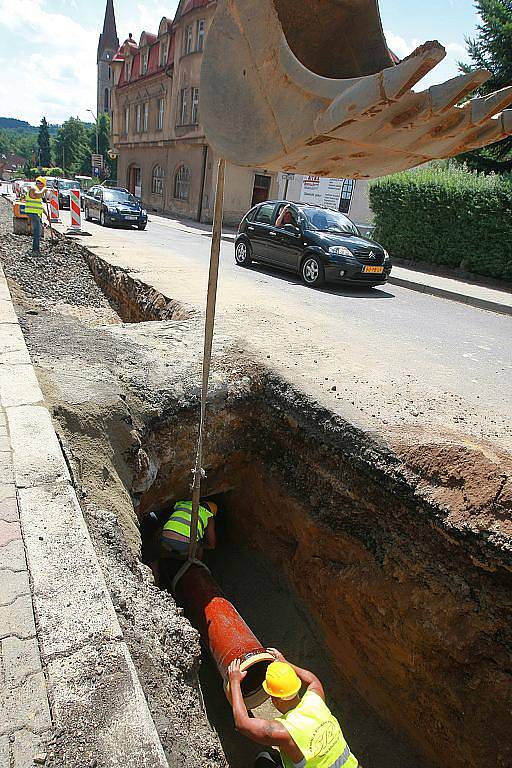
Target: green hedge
x,y
446,215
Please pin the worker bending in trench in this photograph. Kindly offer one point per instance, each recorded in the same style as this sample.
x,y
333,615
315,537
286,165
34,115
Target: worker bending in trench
x,y
175,539
307,735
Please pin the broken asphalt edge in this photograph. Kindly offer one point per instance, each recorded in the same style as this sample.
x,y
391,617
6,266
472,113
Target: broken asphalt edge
x,y
84,656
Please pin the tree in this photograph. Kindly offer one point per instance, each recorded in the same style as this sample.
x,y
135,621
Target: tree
x,y
491,49
43,142
72,146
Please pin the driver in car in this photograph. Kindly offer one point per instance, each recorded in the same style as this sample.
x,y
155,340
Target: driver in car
x,y
286,216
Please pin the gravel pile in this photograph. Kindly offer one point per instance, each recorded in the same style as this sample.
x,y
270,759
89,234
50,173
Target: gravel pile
x,y
67,278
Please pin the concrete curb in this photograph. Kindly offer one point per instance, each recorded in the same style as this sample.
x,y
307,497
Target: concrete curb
x,y
96,699
461,298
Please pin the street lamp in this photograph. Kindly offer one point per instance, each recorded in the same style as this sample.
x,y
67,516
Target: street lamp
x,y
97,137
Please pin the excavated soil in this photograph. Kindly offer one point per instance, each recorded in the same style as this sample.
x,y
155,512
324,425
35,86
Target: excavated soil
x,y
385,567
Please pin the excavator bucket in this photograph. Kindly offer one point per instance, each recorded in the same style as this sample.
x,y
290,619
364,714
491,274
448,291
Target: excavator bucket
x,y
311,87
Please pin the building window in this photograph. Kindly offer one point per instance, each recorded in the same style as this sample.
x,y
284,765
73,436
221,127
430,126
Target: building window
x,y
144,62
182,183
183,111
200,30
110,73
127,69
138,118
347,189
145,116
157,180
161,113
187,40
164,52
106,100
195,106
126,119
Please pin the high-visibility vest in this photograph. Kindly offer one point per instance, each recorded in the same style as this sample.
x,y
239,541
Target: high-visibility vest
x,y
317,734
181,520
33,206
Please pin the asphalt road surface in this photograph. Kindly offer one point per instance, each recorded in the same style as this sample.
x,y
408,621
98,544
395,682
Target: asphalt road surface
x,y
390,359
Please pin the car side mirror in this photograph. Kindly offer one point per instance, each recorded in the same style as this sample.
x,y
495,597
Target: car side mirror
x,y
292,229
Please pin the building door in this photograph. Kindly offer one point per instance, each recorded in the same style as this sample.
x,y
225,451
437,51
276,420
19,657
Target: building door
x,y
261,190
135,181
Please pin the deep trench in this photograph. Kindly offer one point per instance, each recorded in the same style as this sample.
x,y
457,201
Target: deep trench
x,y
330,555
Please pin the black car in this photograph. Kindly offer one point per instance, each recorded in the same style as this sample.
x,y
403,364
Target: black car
x,y
317,243
114,206
64,187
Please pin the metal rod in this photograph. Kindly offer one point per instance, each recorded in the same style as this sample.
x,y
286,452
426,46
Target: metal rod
x,y
211,303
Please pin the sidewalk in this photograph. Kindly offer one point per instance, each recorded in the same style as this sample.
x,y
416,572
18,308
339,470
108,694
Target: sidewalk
x,y
63,659
25,721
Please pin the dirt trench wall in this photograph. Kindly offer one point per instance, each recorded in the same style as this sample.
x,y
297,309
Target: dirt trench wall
x,y
412,619
135,301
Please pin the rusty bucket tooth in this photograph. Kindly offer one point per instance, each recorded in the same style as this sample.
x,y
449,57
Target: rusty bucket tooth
x,y
488,106
397,81
369,95
311,87
447,95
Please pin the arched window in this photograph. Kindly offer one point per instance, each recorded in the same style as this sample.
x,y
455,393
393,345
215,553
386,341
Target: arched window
x,y
157,180
182,183
106,100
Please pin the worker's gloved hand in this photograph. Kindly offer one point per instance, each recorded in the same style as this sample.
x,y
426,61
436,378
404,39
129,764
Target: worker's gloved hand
x,y
235,673
276,654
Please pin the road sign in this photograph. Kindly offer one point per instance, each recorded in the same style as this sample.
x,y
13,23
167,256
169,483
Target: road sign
x,y
97,161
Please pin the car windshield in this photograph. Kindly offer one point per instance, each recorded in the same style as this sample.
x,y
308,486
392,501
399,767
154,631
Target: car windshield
x,y
323,220
69,185
116,196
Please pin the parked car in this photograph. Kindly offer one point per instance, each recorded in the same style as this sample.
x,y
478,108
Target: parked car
x,y
65,186
114,206
317,243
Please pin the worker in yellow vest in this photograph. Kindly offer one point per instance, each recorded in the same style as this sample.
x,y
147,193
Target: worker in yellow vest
x,y
175,538
34,210
306,734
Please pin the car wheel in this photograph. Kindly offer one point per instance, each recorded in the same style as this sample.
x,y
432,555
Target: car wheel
x,y
312,271
243,254
88,216
102,219
141,227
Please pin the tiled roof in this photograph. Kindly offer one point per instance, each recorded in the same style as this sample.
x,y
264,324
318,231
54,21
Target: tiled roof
x,y
191,5
154,65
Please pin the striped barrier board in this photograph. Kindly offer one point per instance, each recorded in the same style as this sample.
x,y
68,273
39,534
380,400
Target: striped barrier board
x,y
74,206
54,206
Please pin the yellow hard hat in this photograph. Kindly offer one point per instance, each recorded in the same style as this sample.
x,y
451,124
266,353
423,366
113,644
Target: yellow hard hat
x,y
212,507
41,180
281,681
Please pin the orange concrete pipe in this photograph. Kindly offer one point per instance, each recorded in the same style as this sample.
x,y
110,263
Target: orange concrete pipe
x,y
223,632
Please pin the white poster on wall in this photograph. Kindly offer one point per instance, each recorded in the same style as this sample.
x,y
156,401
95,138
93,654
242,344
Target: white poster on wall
x,y
319,191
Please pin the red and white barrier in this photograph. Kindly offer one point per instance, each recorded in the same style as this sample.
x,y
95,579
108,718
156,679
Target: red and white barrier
x,y
54,206
74,207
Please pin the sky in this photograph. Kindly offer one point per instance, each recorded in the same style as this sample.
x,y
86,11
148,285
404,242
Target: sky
x,y
48,47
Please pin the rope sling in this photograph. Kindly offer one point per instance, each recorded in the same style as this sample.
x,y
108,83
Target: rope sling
x,y
211,303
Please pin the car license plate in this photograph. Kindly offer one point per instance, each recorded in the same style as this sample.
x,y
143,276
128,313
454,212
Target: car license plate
x,y
374,270
131,218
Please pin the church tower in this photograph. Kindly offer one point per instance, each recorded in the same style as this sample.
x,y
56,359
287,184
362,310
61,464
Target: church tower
x,y
107,48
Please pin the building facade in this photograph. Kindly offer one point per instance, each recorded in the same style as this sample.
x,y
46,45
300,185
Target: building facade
x,y
164,157
107,48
